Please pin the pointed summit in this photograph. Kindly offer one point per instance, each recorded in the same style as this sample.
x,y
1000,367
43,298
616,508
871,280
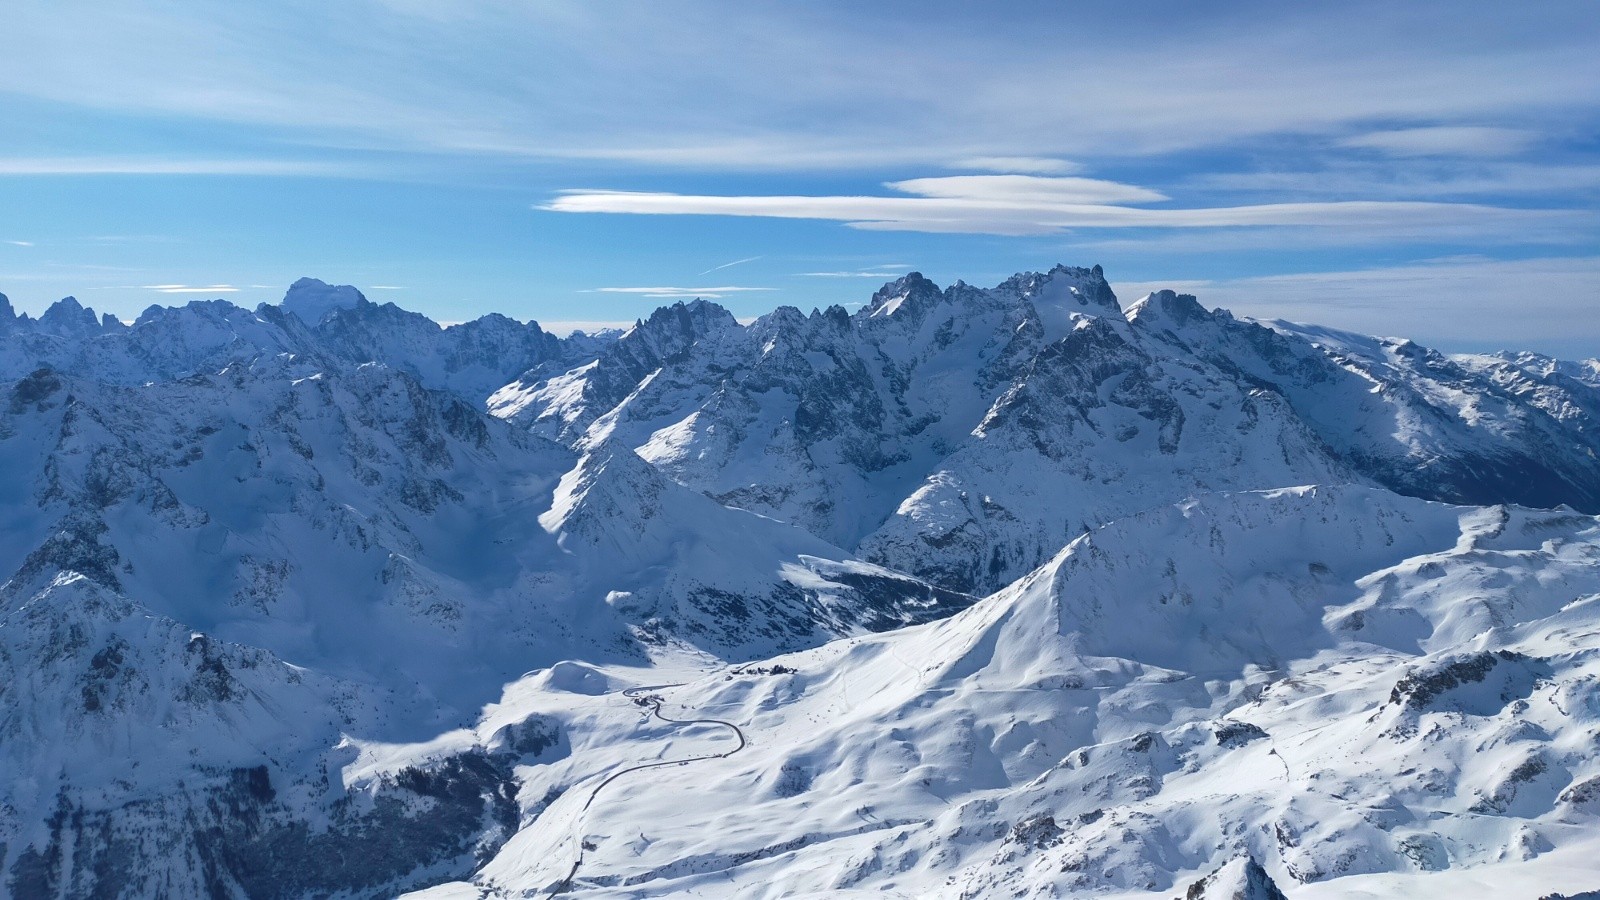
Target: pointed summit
x,y
911,293
1238,879
1167,308
1061,293
689,321
67,317
1084,289
606,499
311,300
669,331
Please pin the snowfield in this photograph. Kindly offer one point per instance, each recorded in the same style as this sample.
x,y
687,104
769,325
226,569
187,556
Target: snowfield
x,y
1294,675
976,592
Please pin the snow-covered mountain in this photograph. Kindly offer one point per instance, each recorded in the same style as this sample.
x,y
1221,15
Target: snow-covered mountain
x,y
966,434
322,564
325,599
323,324
1360,691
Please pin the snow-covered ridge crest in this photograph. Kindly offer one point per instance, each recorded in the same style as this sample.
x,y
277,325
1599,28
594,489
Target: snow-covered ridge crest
x,y
311,300
966,433
327,325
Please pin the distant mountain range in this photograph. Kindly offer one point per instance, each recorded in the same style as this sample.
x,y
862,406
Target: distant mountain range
x,y
326,599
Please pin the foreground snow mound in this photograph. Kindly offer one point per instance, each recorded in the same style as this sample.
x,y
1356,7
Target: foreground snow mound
x,y
1337,682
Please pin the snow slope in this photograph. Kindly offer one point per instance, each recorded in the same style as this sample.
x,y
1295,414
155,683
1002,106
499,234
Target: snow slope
x,y
1337,682
244,586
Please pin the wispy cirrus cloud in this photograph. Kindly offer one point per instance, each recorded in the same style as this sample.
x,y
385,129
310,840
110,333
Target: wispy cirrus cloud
x,y
729,265
1023,205
694,86
1455,178
1445,140
1027,188
1020,165
18,243
679,293
151,165
892,270
191,288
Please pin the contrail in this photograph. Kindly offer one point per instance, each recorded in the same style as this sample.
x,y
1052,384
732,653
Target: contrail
x,y
728,265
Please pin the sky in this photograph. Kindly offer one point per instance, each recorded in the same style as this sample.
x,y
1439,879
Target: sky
x,y
1422,169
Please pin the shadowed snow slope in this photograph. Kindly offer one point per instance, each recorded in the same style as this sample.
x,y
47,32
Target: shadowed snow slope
x,y
247,611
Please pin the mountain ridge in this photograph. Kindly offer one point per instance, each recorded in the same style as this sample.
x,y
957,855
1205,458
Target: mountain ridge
x,y
1015,589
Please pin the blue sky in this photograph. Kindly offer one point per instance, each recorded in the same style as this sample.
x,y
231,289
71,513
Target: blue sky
x,y
1428,169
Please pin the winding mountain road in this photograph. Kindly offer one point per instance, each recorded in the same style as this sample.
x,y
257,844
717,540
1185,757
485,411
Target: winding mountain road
x,y
644,696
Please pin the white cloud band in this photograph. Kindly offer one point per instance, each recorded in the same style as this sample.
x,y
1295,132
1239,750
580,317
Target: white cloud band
x,y
999,213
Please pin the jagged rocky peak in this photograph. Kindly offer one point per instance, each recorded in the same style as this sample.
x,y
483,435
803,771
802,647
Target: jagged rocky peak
x,y
311,300
1241,878
692,319
218,309
1168,307
909,294
1064,289
779,328
69,318
784,317
1086,289
1054,294
671,329
839,318
8,316
498,322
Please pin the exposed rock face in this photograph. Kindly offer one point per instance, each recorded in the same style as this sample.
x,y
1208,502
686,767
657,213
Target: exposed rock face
x,y
1240,879
161,733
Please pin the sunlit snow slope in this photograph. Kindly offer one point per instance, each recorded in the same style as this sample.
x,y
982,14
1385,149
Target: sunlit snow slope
x,y
1337,682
